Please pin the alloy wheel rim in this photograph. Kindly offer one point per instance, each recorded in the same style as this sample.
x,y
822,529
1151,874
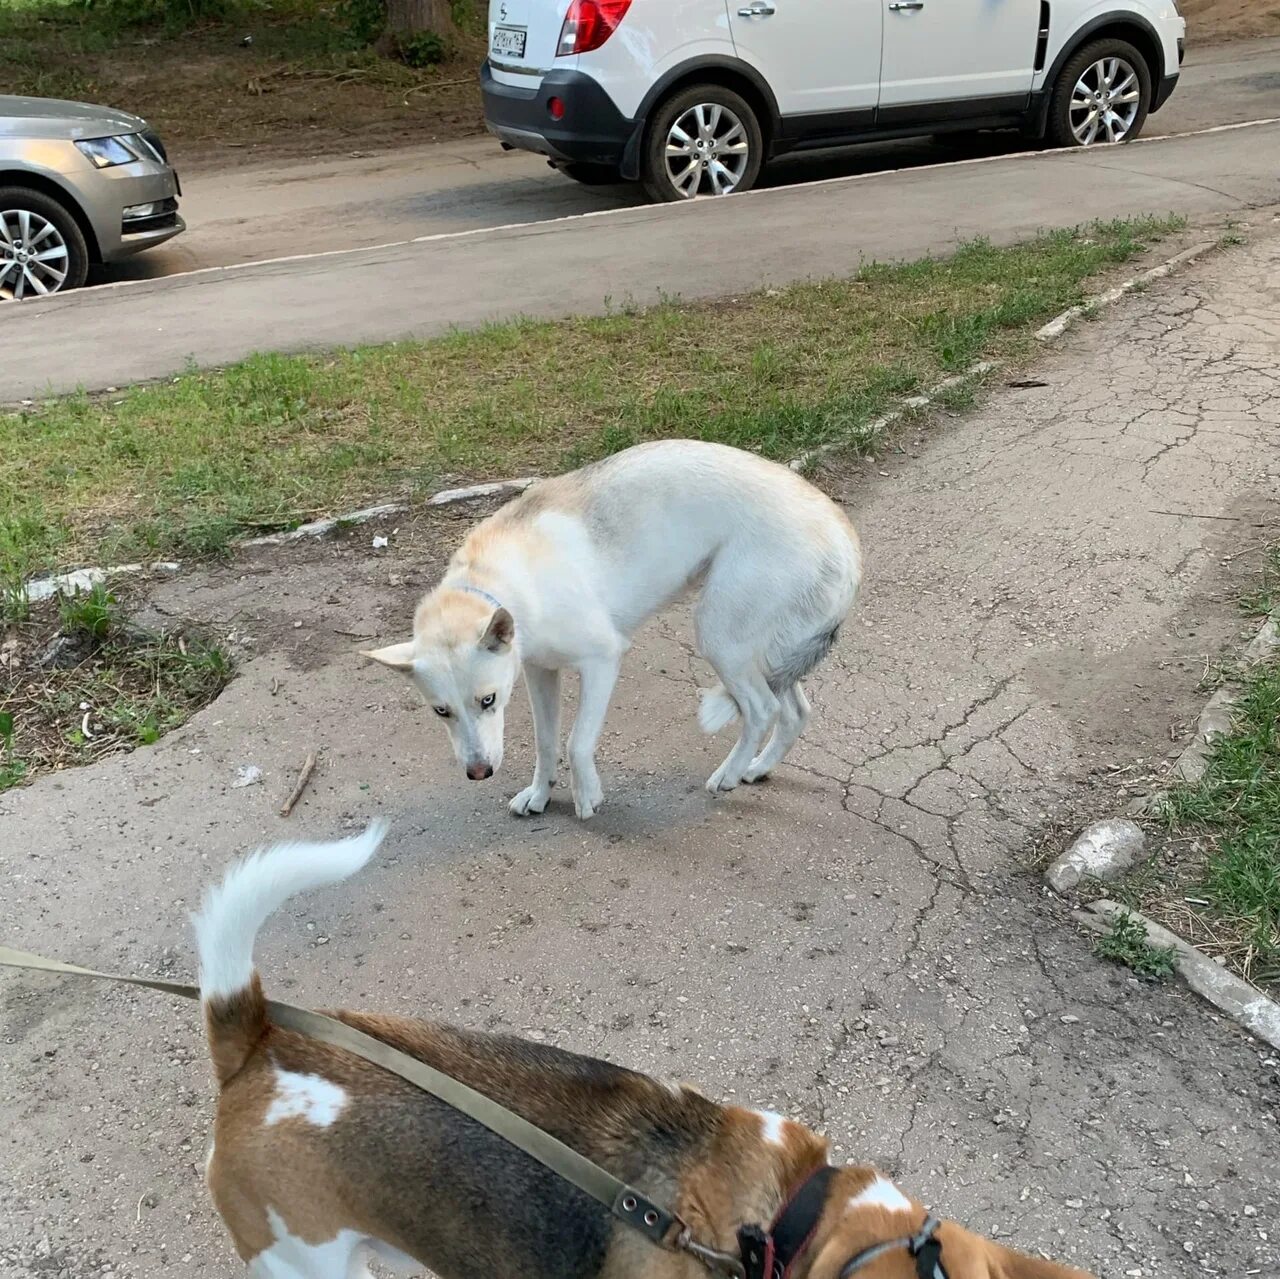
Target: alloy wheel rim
x,y
706,151
1105,102
34,258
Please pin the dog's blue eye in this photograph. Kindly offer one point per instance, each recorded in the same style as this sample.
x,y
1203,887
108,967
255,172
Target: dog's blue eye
x,y
442,711
486,702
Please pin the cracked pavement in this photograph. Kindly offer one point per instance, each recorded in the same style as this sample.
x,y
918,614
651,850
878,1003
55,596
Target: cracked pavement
x,y
859,942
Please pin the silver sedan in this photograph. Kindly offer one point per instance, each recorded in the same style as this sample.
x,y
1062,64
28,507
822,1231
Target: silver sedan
x,y
79,185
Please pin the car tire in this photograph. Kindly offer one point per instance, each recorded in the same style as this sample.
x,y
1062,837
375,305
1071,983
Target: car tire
x,y
726,153
1102,67
62,228
590,175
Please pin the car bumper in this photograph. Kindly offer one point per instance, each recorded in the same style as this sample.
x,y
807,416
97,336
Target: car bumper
x,y
132,242
127,187
591,129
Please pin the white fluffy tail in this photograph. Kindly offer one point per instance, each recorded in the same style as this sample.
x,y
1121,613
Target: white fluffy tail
x,y
254,887
716,709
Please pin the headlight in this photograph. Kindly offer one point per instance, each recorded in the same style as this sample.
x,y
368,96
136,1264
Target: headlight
x,y
106,152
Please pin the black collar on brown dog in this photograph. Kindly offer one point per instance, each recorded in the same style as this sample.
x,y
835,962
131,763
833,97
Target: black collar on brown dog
x,y
771,1254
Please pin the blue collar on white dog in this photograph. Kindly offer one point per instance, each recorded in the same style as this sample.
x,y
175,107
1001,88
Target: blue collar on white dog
x,y
484,595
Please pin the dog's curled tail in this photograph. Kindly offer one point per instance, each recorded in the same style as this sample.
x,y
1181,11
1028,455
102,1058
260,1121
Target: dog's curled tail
x,y
228,921
716,709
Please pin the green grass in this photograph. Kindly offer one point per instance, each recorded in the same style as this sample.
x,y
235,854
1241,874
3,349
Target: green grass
x,y
12,769
180,469
1126,943
91,614
1236,805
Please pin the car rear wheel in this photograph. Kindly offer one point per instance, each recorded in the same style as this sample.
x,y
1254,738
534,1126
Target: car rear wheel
x,y
42,249
1103,94
705,140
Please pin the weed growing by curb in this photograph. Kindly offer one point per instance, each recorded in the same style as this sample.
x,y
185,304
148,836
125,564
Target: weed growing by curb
x,y
1126,943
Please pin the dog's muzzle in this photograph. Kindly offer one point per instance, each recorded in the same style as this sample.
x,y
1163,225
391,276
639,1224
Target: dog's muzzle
x,y
479,772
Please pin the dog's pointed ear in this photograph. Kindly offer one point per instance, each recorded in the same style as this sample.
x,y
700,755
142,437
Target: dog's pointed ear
x,y
398,656
500,631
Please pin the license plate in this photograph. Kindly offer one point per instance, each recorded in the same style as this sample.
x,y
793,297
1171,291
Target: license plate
x,y
508,41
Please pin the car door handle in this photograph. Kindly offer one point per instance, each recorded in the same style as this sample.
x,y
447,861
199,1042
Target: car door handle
x,y
761,9
900,5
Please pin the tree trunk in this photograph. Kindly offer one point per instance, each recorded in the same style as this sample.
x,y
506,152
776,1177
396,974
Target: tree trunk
x,y
408,17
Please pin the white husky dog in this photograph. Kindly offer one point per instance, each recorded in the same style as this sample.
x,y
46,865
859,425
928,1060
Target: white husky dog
x,y
563,576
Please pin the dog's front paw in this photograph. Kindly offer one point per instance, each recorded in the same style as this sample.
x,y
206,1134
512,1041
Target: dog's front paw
x,y
531,801
587,798
721,781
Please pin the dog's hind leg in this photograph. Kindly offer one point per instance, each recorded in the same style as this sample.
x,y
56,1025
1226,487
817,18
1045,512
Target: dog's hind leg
x,y
544,698
758,707
793,715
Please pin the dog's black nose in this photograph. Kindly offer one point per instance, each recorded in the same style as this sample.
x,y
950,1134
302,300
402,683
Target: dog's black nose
x,y
478,772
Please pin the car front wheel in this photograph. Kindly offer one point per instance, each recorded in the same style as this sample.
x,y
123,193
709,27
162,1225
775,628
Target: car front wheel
x,y
704,140
42,250
1102,95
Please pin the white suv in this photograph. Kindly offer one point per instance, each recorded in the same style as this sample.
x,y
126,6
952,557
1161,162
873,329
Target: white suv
x,y
691,97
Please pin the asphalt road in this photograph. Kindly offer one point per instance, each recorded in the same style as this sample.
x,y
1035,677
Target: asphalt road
x,y
709,248
858,943
354,201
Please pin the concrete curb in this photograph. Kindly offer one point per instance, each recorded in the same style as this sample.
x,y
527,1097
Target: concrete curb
x,y
84,578
449,497
1230,994
909,405
1215,719
1061,323
321,528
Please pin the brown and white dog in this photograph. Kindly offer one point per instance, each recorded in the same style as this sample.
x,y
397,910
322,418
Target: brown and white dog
x,y
322,1159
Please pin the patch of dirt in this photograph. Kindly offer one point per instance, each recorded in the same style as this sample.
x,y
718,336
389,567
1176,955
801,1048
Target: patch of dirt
x,y
72,693
314,598
214,99
1216,21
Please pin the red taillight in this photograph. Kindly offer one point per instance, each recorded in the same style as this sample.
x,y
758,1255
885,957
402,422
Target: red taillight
x,y
555,108
588,24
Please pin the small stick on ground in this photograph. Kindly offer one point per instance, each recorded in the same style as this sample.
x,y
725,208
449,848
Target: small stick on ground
x,y
303,778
